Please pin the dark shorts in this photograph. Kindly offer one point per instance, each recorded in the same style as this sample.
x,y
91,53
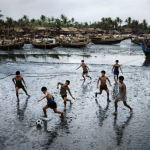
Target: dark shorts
x,y
52,105
64,96
19,86
85,72
103,87
116,72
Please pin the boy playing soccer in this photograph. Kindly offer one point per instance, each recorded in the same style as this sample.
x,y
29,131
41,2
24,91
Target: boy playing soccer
x,y
64,88
103,85
121,96
85,69
18,84
116,71
50,102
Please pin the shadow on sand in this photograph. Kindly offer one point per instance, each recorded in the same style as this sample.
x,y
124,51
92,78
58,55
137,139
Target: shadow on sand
x,y
102,112
21,112
120,128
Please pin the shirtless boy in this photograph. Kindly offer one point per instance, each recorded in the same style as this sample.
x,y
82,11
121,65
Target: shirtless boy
x,y
85,69
103,85
63,92
121,96
50,102
18,84
115,70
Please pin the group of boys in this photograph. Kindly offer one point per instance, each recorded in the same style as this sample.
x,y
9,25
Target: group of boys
x,y
121,96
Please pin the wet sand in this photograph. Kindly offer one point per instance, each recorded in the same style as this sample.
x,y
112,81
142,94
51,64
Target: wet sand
x,y
87,123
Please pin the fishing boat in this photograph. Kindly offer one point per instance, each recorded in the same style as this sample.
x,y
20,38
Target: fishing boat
x,y
18,45
146,50
6,47
98,40
45,43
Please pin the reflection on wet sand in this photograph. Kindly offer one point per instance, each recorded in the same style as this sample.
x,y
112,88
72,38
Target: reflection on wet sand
x,y
120,128
102,112
86,87
52,135
21,112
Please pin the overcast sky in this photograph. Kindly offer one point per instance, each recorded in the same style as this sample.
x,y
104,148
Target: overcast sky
x,y
81,10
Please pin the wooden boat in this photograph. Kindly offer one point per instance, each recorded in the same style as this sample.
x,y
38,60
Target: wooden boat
x,y
107,41
18,45
146,50
74,45
45,46
6,47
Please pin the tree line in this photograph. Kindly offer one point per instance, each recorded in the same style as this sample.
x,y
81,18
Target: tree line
x,y
63,21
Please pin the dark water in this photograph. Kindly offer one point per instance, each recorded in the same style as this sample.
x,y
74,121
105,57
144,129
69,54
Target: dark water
x,y
87,124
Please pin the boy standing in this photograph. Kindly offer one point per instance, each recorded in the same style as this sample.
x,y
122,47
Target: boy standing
x,y
64,88
50,102
85,69
115,69
103,85
121,96
18,84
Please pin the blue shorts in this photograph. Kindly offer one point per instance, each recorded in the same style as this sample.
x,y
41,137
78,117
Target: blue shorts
x,y
116,72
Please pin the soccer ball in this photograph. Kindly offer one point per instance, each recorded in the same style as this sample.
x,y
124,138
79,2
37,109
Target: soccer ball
x,y
39,122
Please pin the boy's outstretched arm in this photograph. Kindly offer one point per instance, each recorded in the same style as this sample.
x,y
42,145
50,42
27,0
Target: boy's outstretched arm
x,y
113,68
58,85
14,81
121,69
24,82
78,67
71,95
88,68
42,98
109,81
98,82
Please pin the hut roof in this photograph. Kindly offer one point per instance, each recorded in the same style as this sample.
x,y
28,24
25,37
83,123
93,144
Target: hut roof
x,y
18,30
73,29
65,29
41,28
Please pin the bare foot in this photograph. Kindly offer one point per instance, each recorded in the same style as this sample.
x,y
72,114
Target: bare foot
x,y
71,102
44,116
17,100
64,108
28,95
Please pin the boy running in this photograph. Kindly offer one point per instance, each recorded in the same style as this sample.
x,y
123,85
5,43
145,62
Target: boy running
x,y
18,84
64,88
121,96
50,102
85,69
115,70
103,85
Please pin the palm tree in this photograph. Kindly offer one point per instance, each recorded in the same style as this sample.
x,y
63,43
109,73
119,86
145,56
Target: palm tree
x,y
9,21
145,24
43,18
128,21
85,24
1,14
72,21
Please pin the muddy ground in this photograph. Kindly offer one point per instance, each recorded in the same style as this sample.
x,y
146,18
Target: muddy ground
x,y
88,123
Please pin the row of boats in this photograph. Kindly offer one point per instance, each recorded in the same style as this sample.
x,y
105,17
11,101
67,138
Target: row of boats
x,y
48,43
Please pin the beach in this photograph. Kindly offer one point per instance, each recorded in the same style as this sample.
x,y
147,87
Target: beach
x,y
87,123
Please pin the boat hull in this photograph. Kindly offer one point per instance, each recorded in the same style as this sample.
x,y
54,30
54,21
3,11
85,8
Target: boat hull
x,y
73,45
146,51
6,47
99,41
42,46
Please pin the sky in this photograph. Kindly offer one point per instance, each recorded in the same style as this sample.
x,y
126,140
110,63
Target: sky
x,y
81,10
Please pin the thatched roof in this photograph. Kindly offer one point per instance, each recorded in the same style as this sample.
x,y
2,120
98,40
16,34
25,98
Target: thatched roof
x,y
65,29
73,29
40,28
19,30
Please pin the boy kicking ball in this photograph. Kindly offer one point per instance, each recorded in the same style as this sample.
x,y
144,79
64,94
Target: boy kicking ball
x,y
50,102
